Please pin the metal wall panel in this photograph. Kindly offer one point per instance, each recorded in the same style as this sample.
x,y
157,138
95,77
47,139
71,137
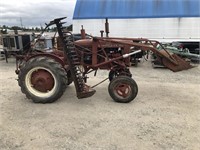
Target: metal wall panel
x,y
156,28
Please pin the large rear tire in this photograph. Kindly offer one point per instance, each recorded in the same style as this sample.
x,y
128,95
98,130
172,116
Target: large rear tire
x,y
42,79
123,89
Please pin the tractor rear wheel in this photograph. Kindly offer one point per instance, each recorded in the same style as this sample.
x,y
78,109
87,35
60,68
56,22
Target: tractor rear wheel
x,y
123,89
42,79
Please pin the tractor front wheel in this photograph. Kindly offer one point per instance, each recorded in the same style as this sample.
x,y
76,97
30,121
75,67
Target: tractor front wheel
x,y
123,89
42,79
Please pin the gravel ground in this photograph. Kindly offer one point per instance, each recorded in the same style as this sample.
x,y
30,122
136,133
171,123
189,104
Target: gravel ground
x,y
164,115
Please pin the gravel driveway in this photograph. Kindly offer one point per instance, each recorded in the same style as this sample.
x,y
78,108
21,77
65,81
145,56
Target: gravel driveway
x,y
165,114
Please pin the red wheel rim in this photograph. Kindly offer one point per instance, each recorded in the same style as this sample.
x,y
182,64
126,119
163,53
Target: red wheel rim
x,y
122,90
42,80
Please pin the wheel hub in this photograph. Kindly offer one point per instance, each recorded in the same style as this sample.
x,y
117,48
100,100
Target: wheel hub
x,y
42,80
123,90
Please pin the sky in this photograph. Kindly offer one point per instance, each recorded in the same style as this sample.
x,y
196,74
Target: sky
x,y
32,13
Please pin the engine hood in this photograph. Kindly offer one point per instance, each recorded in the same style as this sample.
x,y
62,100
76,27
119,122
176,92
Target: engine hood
x,y
84,42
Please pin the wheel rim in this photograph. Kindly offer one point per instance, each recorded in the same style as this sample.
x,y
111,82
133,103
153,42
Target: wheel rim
x,y
41,82
122,90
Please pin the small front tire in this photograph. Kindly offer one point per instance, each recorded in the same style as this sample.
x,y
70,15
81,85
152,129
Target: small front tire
x,y
123,89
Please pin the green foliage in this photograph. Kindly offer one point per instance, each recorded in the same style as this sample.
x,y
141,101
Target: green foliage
x,y
4,28
15,28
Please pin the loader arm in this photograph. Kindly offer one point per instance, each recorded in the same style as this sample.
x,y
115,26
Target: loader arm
x,y
172,62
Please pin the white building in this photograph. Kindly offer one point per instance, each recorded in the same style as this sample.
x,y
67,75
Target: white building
x,y
154,19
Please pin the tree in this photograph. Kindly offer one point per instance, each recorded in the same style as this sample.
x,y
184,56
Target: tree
x,y
37,29
5,27
16,28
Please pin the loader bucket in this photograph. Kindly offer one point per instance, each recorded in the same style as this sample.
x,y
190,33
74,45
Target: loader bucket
x,y
173,61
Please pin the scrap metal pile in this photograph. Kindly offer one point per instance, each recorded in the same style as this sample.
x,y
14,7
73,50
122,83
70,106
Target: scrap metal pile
x,y
183,52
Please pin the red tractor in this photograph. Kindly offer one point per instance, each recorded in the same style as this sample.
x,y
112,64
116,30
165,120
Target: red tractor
x,y
44,75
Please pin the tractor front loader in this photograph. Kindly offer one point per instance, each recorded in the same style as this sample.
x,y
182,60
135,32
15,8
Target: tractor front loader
x,y
44,75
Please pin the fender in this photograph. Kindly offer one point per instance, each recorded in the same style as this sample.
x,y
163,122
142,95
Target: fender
x,y
59,57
